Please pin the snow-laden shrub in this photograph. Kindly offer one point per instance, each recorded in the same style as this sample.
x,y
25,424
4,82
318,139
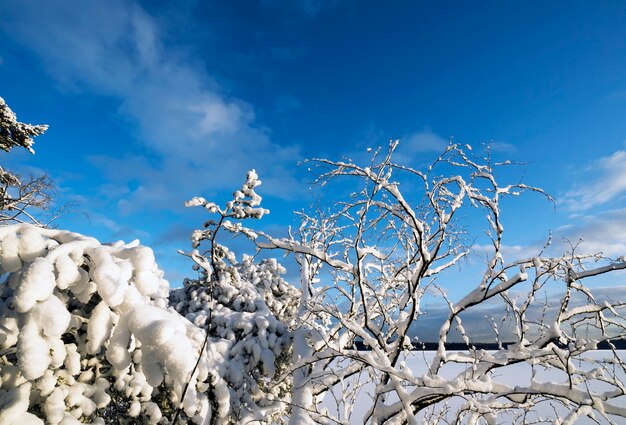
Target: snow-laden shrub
x,y
250,306
86,336
245,303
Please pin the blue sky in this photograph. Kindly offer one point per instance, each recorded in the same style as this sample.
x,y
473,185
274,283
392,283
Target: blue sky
x,y
152,103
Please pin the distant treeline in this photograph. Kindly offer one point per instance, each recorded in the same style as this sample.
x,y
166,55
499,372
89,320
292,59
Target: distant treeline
x,y
619,344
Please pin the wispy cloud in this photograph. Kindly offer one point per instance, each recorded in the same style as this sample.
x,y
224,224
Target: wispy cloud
x,y
424,141
502,147
510,253
588,230
600,233
607,182
117,230
200,136
603,233
417,148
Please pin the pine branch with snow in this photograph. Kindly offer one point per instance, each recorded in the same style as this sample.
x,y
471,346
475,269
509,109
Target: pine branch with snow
x,y
20,196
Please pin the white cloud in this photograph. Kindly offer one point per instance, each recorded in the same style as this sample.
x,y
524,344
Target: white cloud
x,y
510,253
503,147
415,148
603,233
116,229
607,184
424,141
600,233
201,136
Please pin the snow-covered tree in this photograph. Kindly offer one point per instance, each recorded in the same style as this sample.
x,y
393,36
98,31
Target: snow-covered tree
x,y
19,196
14,133
382,251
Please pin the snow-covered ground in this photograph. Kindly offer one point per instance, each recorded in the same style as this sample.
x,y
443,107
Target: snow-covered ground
x,y
518,374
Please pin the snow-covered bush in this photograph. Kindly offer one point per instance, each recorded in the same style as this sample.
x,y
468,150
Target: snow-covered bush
x,y
250,307
247,304
86,335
